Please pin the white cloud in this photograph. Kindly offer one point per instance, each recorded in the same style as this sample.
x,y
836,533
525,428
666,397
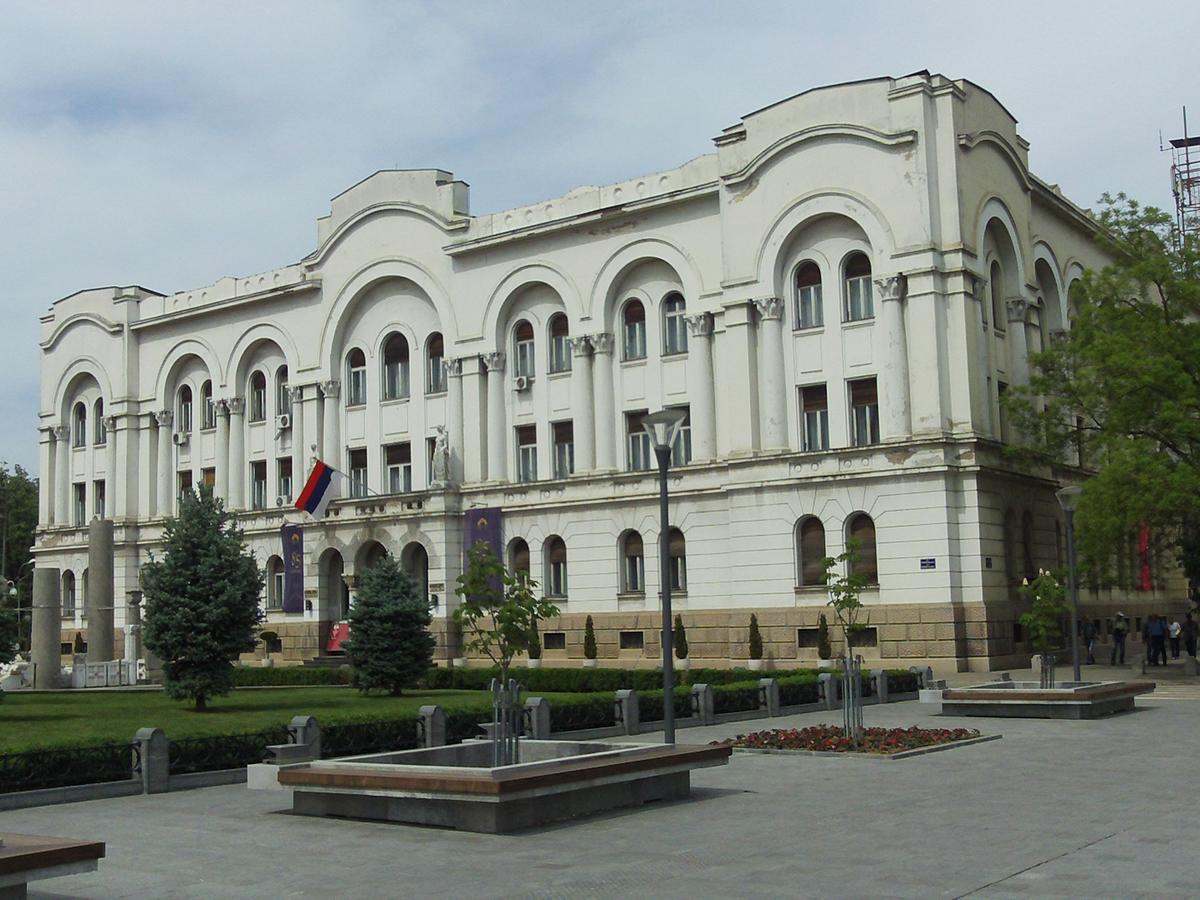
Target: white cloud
x,y
170,144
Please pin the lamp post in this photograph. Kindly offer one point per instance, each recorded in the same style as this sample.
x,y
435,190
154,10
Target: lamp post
x,y
1068,499
662,427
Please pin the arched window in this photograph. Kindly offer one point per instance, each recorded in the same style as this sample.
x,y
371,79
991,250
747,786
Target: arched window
x,y
79,425
68,594
523,350
674,327
634,334
185,409
810,551
209,410
633,567
435,364
414,559
258,397
560,345
518,558
99,438
283,395
677,552
861,530
860,303
996,294
395,367
809,313
274,583
356,377
554,550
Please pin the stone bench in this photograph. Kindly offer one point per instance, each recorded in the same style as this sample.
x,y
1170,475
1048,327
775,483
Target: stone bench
x,y
30,857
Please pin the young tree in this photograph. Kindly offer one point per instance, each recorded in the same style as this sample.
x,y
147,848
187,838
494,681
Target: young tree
x,y
499,610
202,600
390,646
1047,609
1119,392
845,592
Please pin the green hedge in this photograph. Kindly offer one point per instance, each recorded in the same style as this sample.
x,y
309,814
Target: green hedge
x,y
650,704
736,697
595,711
255,676
586,681
902,681
799,689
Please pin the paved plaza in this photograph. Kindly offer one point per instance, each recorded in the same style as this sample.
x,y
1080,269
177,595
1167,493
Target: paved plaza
x,y
1081,809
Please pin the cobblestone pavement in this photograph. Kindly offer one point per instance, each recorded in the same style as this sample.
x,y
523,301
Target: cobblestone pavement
x,y
1054,809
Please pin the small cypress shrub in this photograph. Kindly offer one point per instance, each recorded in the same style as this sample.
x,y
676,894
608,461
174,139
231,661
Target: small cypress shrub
x,y
824,650
535,643
756,647
589,639
679,639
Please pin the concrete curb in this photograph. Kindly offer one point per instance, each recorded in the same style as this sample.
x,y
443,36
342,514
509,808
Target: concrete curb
x,y
903,754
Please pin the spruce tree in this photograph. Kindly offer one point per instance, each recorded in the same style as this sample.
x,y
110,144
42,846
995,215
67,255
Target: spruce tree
x,y
202,600
390,646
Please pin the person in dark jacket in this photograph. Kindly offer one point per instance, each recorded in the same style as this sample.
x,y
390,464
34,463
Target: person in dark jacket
x,y
1119,633
1089,640
1157,627
1189,631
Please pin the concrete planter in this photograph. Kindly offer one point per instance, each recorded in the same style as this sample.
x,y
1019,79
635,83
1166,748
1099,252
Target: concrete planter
x,y
534,663
459,662
754,665
268,663
826,663
590,663
682,664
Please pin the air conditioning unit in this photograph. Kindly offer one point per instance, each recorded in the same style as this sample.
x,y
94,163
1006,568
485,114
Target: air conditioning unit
x,y
281,500
180,438
283,422
522,383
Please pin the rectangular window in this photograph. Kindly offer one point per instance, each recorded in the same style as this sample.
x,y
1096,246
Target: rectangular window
x,y
284,468
814,417
558,578
258,403
560,353
358,472
98,498
185,482
79,493
674,328
635,338
554,640
436,374
527,453
808,307
859,301
275,596
398,462
564,449
208,477
525,358
864,412
395,379
681,449
209,413
632,640
356,393
637,443
258,484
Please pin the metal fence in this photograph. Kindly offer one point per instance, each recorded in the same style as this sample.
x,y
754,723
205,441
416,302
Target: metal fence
x,y
63,767
375,736
226,751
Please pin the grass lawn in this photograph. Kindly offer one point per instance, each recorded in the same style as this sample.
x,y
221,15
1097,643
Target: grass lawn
x,y
79,718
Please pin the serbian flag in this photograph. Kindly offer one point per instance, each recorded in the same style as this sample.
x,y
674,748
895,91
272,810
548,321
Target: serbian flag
x,y
318,490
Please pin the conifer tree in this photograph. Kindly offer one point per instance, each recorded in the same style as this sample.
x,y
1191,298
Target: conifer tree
x,y
589,639
202,600
390,646
679,639
756,645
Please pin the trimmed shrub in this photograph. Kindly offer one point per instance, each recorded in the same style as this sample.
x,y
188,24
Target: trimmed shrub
x,y
595,711
902,681
253,676
736,697
589,639
679,639
798,689
824,648
756,648
650,704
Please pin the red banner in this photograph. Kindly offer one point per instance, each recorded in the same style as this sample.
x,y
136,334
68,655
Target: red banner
x,y
339,633
1147,583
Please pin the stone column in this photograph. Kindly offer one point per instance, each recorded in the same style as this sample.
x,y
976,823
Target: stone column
x,y
166,463
111,486
497,449
700,387
45,476
62,475
474,439
604,426
454,420
236,470
583,424
98,604
331,451
1018,311
895,420
299,450
46,627
221,489
771,375
979,340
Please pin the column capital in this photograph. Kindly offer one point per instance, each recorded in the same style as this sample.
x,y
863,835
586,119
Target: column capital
x,y
891,287
1017,309
978,284
330,389
580,345
110,424
235,405
494,361
295,393
602,342
164,418
221,408
453,366
62,433
769,308
700,325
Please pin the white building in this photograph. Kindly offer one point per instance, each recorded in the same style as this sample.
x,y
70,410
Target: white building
x,y
837,295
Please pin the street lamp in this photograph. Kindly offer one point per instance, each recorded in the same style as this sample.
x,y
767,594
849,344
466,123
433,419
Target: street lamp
x,y
1068,499
662,427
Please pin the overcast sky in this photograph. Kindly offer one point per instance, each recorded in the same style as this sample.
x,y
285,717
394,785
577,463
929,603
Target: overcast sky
x,y
170,144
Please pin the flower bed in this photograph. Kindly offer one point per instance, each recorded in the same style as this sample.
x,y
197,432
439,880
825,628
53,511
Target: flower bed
x,y
830,738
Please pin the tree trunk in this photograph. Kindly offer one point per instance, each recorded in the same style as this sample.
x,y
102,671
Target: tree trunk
x,y
201,703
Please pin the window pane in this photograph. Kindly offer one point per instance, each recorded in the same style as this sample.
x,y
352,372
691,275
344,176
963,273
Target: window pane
x,y
812,551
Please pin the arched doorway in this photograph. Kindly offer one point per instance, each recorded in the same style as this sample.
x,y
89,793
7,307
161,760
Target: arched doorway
x,y
415,561
334,596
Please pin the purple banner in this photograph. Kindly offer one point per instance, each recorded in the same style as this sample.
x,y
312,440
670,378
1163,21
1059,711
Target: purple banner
x,y
293,568
483,525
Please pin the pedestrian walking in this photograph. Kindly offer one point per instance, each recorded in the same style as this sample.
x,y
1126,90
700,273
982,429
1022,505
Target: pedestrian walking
x,y
1119,633
1173,632
1190,631
1157,629
1089,638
